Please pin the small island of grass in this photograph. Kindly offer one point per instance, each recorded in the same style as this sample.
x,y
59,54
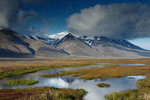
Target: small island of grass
x,y
103,85
21,82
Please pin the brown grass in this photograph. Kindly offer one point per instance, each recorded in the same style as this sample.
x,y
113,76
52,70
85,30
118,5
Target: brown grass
x,y
41,93
93,73
105,72
23,67
102,85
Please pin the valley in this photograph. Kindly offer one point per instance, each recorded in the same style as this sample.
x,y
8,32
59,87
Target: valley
x,y
74,49
121,73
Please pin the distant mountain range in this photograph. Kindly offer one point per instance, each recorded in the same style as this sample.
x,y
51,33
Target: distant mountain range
x,y
66,45
13,44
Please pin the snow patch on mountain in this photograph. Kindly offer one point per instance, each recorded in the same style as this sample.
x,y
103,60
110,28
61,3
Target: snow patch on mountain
x,y
59,35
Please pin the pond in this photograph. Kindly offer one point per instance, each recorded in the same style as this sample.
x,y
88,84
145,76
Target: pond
x,y
94,92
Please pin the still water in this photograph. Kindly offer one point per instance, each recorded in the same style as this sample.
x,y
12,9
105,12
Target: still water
x,y
94,92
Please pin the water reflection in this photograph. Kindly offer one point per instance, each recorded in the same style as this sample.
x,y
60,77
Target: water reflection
x,y
132,64
94,92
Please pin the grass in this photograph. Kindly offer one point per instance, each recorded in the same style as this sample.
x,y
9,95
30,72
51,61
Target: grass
x,y
126,95
41,93
105,72
17,68
11,70
113,71
103,85
21,82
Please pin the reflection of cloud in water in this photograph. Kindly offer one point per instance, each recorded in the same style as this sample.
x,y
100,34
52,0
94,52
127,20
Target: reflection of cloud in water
x,y
94,92
137,77
57,82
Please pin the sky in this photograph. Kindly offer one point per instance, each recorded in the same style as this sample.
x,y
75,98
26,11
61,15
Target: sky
x,y
121,19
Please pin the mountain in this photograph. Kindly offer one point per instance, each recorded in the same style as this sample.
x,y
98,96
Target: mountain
x,y
75,46
48,40
115,47
14,45
67,45
99,46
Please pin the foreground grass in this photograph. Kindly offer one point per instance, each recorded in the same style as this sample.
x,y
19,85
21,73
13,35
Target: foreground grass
x,y
41,93
126,95
21,82
101,85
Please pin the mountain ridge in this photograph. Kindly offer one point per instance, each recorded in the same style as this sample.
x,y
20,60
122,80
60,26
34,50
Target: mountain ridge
x,y
15,45
68,45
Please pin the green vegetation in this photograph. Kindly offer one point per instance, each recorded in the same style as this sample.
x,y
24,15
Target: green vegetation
x,y
105,72
103,85
113,71
126,95
21,82
41,93
21,71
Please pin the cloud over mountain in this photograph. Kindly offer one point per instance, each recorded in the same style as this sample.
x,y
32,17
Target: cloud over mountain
x,y
127,21
13,16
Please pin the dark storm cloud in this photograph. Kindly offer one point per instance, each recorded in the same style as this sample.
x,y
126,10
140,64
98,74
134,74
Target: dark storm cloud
x,y
8,9
14,17
115,20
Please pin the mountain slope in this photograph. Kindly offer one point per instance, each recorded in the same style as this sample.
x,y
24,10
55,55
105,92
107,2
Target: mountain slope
x,y
14,45
116,48
100,47
42,49
75,46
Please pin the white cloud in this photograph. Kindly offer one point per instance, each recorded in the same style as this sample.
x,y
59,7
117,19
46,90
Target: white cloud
x,y
125,21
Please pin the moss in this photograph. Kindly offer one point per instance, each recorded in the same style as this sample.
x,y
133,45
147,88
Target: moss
x,y
103,85
21,82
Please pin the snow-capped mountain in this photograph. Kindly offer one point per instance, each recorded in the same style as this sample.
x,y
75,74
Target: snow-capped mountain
x,y
98,46
75,46
49,41
104,40
58,35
